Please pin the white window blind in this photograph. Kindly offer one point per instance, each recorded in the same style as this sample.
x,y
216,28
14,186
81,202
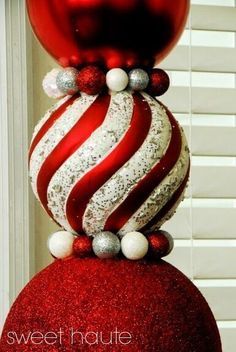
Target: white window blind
x,y
203,98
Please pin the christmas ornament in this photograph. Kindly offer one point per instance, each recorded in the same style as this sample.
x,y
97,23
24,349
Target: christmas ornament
x,y
82,246
67,81
117,79
111,165
91,80
154,305
106,245
159,82
138,79
129,33
115,162
160,244
134,245
50,85
60,244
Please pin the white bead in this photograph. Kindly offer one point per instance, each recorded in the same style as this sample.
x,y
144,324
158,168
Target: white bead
x,y
134,245
50,85
117,79
60,244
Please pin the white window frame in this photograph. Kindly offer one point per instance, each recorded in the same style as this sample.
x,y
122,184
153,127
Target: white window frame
x,y
16,207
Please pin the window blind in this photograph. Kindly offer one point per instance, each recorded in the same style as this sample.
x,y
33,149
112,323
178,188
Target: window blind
x,y
203,98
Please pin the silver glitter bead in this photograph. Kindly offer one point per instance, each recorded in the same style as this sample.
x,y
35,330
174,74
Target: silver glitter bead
x,y
66,81
138,79
106,245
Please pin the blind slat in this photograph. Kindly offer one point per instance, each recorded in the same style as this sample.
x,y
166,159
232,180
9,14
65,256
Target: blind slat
x,y
213,181
214,261
203,222
221,143
203,59
218,18
223,309
203,100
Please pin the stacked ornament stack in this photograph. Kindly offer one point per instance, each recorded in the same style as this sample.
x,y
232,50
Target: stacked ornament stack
x,y
109,164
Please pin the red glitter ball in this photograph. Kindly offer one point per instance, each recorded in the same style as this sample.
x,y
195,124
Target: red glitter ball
x,y
91,80
159,82
82,246
160,244
152,302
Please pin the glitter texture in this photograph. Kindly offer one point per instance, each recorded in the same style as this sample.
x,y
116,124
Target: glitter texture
x,y
66,80
161,309
138,79
106,245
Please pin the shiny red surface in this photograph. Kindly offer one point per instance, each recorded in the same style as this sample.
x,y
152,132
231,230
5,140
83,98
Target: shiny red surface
x,y
159,82
112,33
159,245
161,309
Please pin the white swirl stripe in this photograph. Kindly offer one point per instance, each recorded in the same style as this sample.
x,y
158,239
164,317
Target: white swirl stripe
x,y
161,194
95,149
118,187
55,134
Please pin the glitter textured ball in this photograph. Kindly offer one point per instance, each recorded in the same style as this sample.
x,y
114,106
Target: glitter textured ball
x,y
160,244
67,81
159,82
82,246
134,245
106,245
161,309
138,79
91,80
60,244
50,86
85,146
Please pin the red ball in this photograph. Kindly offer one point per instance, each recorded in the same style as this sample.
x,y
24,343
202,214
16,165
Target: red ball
x,y
91,80
134,306
160,244
82,246
148,29
159,82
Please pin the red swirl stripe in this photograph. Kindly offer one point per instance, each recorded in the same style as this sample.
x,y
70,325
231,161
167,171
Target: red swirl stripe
x,y
50,121
146,185
95,178
81,131
169,205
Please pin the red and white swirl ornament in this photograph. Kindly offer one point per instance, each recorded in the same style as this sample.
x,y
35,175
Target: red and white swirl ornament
x,y
116,162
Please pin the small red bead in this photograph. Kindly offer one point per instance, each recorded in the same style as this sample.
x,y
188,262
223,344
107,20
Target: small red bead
x,y
91,80
160,244
159,82
82,246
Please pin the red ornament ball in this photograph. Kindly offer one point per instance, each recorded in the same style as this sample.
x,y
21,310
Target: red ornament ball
x,y
160,244
82,246
91,80
132,306
159,82
145,29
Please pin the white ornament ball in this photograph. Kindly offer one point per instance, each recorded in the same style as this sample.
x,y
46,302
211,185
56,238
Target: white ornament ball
x,y
60,244
117,79
50,85
134,245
